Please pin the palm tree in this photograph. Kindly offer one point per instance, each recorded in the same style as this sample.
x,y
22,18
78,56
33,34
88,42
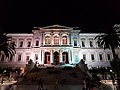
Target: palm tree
x,y
110,40
6,45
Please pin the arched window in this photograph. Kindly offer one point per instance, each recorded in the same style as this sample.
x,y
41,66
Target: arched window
x,y
47,40
75,41
21,41
29,41
64,40
83,40
56,40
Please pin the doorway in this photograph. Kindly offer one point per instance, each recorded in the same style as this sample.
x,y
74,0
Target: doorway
x,y
47,58
65,57
56,58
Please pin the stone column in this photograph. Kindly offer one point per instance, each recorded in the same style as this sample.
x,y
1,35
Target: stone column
x,y
69,56
61,56
42,62
25,42
60,40
52,39
39,57
14,58
72,56
32,55
104,57
23,57
42,39
51,56
17,42
70,39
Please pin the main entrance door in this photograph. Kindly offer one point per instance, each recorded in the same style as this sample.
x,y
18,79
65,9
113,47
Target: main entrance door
x,y
56,58
65,57
47,58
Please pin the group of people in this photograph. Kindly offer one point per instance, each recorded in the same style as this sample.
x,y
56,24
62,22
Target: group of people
x,y
88,84
91,83
41,84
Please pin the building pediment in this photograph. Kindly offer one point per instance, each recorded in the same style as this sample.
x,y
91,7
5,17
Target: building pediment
x,y
56,27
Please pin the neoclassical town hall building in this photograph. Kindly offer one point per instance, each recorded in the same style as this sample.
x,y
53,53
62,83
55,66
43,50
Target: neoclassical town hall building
x,y
57,44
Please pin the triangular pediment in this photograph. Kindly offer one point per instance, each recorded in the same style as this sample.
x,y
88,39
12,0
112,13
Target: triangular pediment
x,y
56,27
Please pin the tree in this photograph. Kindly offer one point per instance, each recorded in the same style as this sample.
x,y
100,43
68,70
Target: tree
x,y
6,45
110,40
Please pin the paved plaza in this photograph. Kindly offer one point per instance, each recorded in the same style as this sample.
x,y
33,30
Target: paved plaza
x,y
73,83
50,87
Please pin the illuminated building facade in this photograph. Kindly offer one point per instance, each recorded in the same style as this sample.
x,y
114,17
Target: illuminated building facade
x,y
57,44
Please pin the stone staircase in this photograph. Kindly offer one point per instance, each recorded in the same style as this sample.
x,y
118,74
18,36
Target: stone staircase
x,y
72,75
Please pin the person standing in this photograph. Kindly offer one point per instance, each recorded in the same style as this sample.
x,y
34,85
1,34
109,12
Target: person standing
x,y
40,84
113,79
2,80
88,83
10,87
56,83
84,84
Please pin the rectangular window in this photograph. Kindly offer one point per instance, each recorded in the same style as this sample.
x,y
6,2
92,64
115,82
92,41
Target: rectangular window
x,y
83,44
37,43
84,56
91,44
19,57
21,43
2,58
75,43
27,58
92,57
11,57
108,56
36,56
116,56
29,44
100,56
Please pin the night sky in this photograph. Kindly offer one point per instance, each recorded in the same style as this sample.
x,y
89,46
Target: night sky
x,y
20,16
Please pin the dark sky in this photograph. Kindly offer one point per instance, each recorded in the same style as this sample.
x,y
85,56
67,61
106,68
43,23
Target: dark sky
x,y
90,15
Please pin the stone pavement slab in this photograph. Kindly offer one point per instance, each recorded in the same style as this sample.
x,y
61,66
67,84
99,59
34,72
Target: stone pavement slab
x,y
50,87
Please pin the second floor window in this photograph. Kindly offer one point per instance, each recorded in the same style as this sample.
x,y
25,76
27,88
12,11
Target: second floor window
x,y
37,43
75,43
21,44
56,40
92,57
64,40
84,56
47,40
91,44
29,44
83,44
